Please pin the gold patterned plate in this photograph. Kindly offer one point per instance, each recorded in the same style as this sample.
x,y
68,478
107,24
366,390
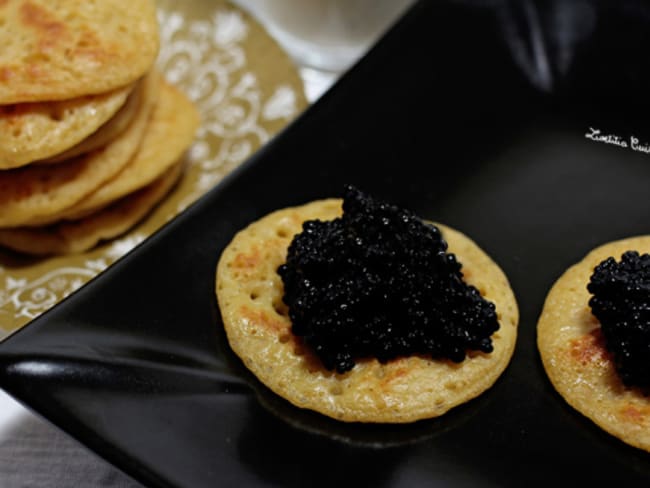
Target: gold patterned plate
x,y
246,89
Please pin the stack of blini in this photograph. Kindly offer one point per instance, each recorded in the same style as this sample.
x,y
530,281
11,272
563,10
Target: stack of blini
x,y
91,136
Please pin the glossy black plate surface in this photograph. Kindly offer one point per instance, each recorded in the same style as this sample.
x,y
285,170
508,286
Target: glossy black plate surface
x,y
471,113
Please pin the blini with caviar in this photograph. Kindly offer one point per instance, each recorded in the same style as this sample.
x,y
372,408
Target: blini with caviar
x,y
594,338
357,309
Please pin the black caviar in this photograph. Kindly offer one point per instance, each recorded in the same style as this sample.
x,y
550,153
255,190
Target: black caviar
x,y
378,282
621,303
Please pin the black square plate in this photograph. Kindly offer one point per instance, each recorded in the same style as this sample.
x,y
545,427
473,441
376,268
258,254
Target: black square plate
x,y
481,115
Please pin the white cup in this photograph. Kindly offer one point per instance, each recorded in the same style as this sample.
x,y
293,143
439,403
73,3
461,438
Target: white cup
x,y
326,35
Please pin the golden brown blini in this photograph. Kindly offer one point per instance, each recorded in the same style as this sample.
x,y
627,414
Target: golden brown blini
x,y
34,131
249,292
574,356
113,127
34,192
62,50
80,235
169,132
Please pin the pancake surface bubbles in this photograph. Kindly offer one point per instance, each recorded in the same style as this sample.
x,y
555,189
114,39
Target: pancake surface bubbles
x,y
55,49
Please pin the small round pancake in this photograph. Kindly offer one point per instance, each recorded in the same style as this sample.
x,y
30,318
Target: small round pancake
x,y
574,356
36,191
170,131
62,50
249,292
107,132
33,131
84,234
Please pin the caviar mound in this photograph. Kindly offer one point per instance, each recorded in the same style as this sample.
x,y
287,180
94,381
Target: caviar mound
x,y
378,282
405,389
573,341
621,302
